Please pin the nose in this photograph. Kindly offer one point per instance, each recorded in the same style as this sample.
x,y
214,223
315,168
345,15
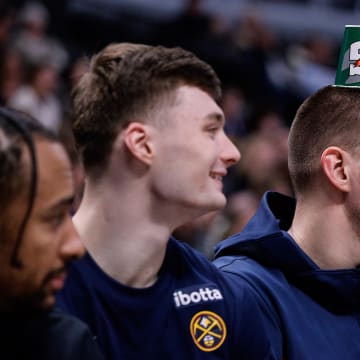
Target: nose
x,y
230,154
71,247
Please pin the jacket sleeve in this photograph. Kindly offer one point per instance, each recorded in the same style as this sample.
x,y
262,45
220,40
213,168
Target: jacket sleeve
x,y
258,335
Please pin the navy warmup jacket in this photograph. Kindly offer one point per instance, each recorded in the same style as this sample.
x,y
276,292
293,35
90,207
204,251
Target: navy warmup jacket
x,y
310,313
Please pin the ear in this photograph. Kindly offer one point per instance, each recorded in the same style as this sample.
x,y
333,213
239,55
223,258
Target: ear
x,y
335,165
137,139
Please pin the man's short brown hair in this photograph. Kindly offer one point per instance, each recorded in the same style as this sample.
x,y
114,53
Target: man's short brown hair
x,y
330,117
126,82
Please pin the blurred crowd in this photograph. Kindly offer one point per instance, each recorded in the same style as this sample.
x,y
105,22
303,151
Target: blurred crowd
x,y
45,48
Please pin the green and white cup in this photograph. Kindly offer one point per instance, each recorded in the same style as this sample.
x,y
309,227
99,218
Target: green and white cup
x,y
348,71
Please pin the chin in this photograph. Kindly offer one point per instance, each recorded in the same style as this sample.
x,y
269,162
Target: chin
x,y
44,301
30,304
201,205
48,303
217,203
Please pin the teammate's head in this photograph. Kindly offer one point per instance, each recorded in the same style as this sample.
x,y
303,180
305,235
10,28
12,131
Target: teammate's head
x,y
37,235
329,118
130,82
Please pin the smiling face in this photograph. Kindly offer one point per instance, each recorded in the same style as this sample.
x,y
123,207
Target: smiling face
x,y
192,153
50,240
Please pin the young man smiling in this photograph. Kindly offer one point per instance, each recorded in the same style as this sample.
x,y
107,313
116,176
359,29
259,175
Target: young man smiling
x,y
38,240
152,140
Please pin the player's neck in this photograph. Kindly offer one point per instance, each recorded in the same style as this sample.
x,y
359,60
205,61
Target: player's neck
x,y
327,237
122,237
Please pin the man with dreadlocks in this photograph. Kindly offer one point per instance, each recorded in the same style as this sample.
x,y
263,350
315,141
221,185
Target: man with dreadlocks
x,y
37,242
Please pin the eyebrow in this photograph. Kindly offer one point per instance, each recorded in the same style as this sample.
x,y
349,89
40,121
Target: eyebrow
x,y
218,117
68,201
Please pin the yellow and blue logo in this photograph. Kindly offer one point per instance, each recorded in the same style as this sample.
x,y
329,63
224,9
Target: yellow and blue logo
x,y
208,330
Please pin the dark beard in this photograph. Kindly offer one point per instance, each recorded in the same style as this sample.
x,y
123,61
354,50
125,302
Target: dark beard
x,y
26,305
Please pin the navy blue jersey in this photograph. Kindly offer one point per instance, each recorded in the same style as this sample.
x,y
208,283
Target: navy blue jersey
x,y
309,313
193,311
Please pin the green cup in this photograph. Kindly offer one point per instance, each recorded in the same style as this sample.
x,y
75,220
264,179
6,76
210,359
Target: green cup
x,y
348,71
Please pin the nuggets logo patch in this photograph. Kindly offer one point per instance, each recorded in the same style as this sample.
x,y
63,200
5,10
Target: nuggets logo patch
x,y
208,330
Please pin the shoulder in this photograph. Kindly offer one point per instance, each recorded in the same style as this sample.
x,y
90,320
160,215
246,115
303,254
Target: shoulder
x,y
59,321
264,282
49,336
256,333
248,269
256,289
183,255
70,337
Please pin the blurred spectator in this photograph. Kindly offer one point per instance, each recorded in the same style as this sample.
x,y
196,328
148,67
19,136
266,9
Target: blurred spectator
x,y
38,97
253,41
312,65
240,208
33,41
77,67
11,74
235,111
188,29
200,232
6,22
264,163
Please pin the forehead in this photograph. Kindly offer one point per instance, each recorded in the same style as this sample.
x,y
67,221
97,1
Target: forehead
x,y
54,171
198,102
